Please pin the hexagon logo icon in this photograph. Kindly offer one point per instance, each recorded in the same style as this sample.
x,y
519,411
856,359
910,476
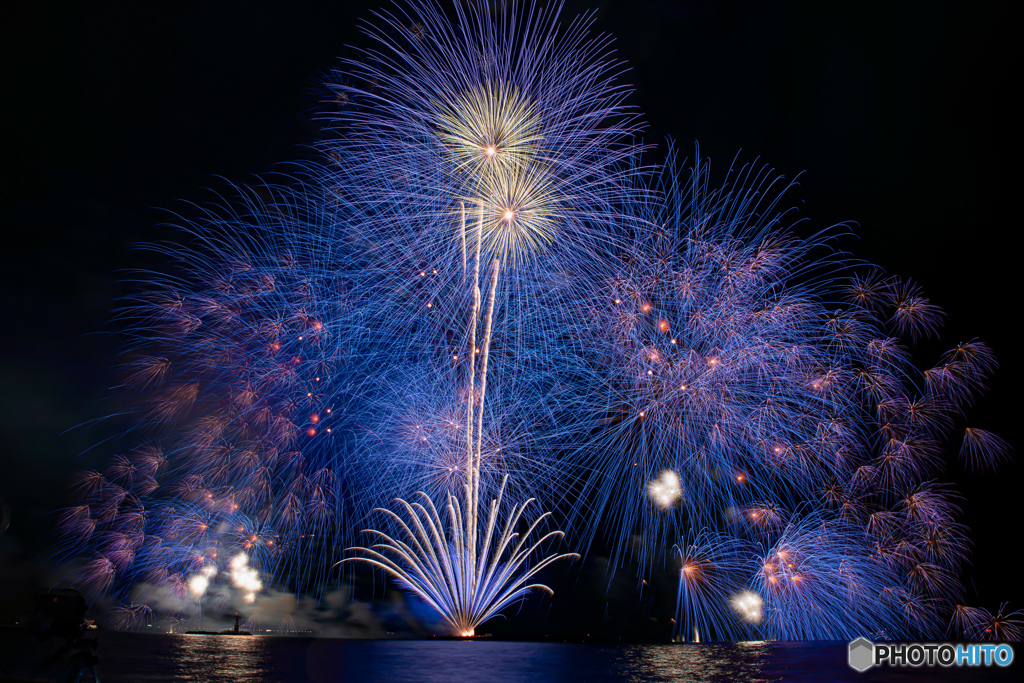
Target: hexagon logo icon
x,y
862,654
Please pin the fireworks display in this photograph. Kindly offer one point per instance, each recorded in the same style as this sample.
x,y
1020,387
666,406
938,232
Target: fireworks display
x,y
482,302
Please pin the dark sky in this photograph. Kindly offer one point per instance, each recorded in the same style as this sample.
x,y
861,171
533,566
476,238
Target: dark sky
x,y
898,113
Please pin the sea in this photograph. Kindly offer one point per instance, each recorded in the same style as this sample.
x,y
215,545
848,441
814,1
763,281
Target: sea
x,y
144,658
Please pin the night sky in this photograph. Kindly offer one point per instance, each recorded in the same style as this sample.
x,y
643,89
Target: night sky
x,y
899,118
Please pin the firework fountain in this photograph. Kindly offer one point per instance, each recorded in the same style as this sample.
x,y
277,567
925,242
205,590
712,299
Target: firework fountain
x,y
480,304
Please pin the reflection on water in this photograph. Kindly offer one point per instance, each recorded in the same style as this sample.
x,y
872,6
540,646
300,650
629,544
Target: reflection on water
x,y
145,658
682,662
228,658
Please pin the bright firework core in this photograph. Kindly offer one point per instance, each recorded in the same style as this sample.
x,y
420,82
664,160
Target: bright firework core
x,y
666,490
491,118
748,605
198,584
494,137
244,577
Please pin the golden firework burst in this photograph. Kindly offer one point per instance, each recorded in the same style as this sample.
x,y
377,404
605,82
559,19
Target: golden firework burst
x,y
489,129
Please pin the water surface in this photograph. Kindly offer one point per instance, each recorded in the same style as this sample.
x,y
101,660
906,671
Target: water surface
x,y
152,658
